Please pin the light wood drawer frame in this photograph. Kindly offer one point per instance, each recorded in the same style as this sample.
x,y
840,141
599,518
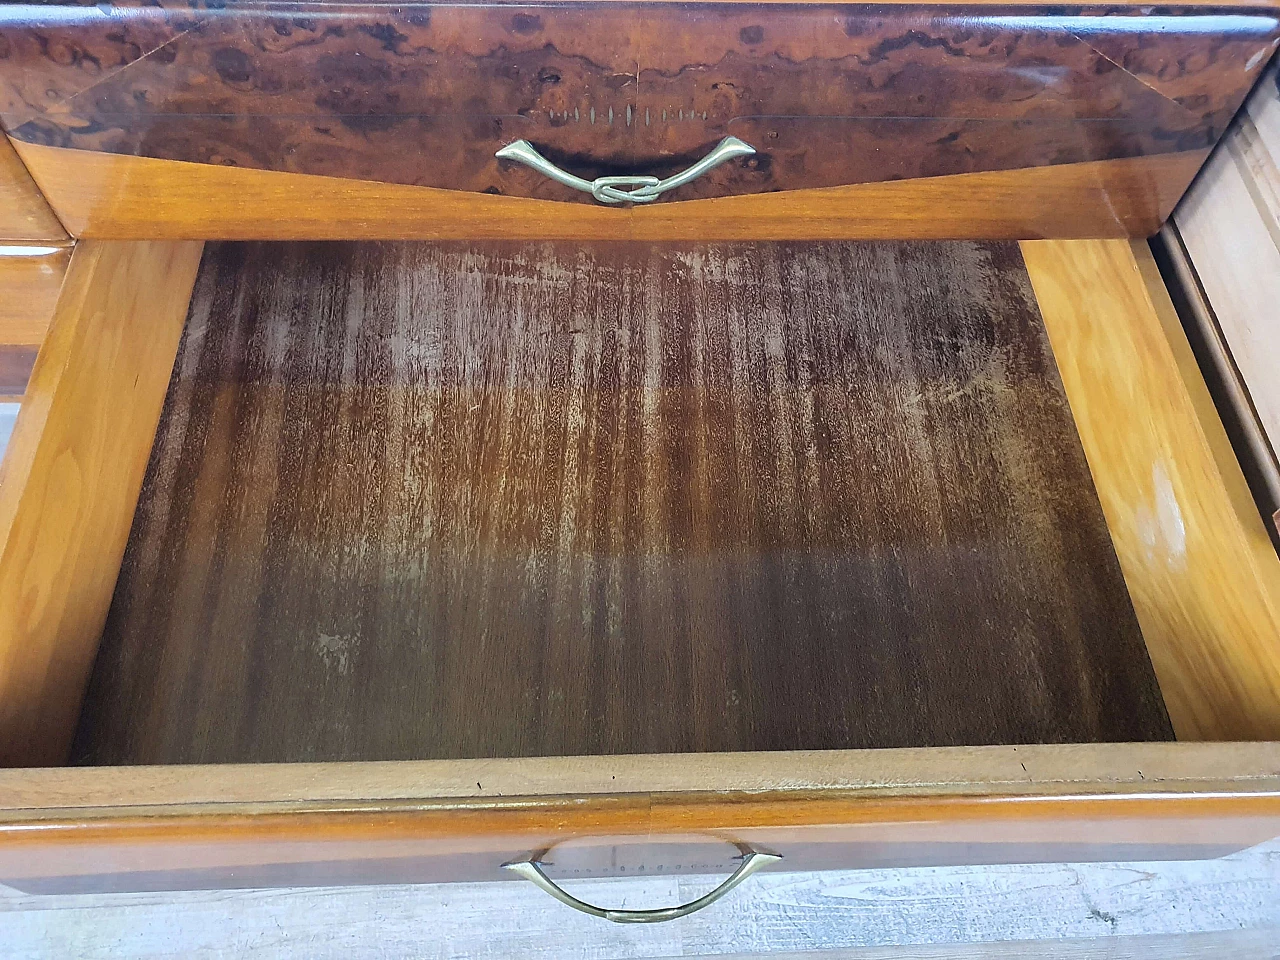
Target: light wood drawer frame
x,y
1204,580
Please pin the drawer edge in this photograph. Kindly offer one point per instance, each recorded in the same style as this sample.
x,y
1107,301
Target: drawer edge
x,y
1052,770
110,196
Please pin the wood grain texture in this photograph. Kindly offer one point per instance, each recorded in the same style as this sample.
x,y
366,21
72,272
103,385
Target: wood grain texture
x,y
227,845
443,501
1174,911
70,478
264,824
1247,944
1222,377
1203,576
828,95
15,370
107,196
1029,770
30,278
1229,225
267,824
23,213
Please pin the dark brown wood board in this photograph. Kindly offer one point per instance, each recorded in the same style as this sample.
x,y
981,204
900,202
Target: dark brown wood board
x,y
426,94
495,499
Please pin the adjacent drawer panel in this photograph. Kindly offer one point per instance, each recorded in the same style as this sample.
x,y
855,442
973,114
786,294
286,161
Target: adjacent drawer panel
x,y
827,94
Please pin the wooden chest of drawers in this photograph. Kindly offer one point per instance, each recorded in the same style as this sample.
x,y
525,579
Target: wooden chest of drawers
x,y
599,506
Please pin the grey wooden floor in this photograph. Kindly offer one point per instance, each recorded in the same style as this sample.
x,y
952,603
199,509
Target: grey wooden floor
x,y
1222,908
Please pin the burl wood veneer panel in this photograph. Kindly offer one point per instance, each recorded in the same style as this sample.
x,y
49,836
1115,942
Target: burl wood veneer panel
x,y
493,499
829,94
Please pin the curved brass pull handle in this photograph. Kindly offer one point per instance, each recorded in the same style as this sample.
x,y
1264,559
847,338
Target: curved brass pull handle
x,y
605,189
752,861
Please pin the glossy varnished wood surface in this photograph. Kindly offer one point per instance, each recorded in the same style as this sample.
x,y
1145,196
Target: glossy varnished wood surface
x,y
30,278
139,826
828,95
520,499
301,824
1203,575
69,479
1229,227
15,370
116,197
24,216
1066,770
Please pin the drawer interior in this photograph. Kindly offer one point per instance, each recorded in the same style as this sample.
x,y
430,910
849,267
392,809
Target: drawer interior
x,y
489,499
844,482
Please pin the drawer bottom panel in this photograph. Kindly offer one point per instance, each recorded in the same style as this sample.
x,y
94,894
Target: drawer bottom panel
x,y
414,501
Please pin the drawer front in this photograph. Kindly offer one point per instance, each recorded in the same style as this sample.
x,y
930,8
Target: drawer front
x,y
828,95
150,828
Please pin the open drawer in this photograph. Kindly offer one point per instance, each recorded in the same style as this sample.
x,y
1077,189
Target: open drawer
x,y
621,537
648,714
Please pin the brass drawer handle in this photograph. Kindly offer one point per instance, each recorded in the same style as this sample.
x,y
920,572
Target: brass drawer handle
x,y
752,861
605,189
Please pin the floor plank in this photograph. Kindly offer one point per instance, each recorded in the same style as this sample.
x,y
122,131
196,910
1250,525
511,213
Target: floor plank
x,y
1191,910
